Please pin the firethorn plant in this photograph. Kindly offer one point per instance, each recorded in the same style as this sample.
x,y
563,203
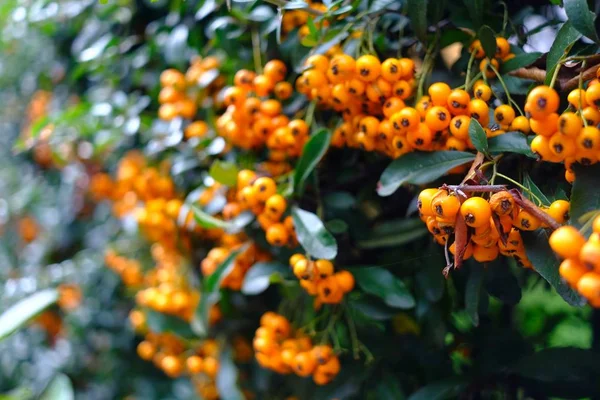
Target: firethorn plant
x,y
343,199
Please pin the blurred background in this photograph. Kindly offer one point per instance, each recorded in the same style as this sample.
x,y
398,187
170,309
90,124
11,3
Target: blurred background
x,y
81,77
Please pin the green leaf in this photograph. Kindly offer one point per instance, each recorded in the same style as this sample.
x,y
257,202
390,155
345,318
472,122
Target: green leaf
x,y
21,312
389,387
313,236
566,36
295,5
417,13
475,9
488,40
419,168
59,388
520,61
227,377
379,5
393,233
585,195
530,184
312,153
478,136
382,283
510,142
441,390
546,264
562,364
453,35
429,275
501,283
582,18
211,294
473,292
261,275
224,172
372,308
159,322
207,221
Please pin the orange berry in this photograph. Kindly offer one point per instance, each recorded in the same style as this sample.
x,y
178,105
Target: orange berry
x,y
476,211
543,100
439,93
368,68
437,118
275,70
567,242
572,270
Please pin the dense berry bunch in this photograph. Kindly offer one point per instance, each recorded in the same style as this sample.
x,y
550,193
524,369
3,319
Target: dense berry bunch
x,y
181,94
319,279
581,265
494,225
571,137
278,349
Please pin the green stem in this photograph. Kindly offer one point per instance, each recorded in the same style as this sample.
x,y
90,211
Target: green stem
x,y
580,86
510,100
310,113
555,75
353,334
469,66
256,51
537,199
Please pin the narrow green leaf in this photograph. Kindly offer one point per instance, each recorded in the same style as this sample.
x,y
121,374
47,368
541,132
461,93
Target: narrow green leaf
x,y
21,312
566,36
441,390
520,61
473,292
382,283
478,136
261,275
160,323
207,221
585,195
224,172
379,5
227,377
394,233
488,40
312,153
530,184
582,18
313,236
546,264
417,13
419,168
59,388
510,142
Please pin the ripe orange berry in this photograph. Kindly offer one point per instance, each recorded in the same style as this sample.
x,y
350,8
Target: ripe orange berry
x,y
521,124
577,99
526,222
244,78
171,365
275,70
596,225
439,93
420,138
437,118
479,110
262,85
589,255
591,115
504,114
275,206
502,203
368,68
304,364
323,268
295,258
572,270
477,48
542,101
570,124
485,254
476,211
483,92
402,89
445,205
424,201
405,120
589,287
592,95
484,66
502,47
146,350
318,62
264,187
562,146
459,127
283,90
391,70
588,138
559,210
345,280
458,101
277,235
566,241
423,105
194,364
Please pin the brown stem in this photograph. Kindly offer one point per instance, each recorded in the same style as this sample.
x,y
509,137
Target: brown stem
x,y
533,209
532,73
476,164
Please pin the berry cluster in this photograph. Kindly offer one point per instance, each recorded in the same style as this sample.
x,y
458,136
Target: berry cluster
x,y
277,350
259,195
502,54
251,121
581,265
182,93
319,279
242,263
494,225
572,137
